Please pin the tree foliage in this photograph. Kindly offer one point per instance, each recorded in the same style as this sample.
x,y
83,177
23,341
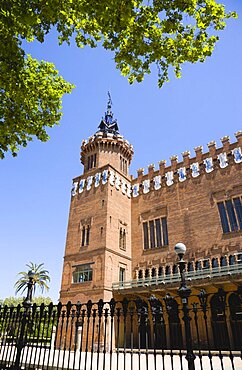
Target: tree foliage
x,y
140,33
15,301
41,278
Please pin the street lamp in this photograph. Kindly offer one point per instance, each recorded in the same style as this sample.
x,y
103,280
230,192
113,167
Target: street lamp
x,y
184,292
30,285
21,341
180,250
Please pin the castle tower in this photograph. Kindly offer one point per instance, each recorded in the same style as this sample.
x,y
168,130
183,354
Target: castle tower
x,y
98,244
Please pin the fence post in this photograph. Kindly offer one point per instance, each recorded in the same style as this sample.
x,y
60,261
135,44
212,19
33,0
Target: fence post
x,y
52,346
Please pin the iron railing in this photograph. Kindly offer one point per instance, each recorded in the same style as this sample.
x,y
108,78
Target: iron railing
x,y
175,278
141,334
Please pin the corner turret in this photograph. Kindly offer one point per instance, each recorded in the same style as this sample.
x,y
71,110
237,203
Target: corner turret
x,y
107,146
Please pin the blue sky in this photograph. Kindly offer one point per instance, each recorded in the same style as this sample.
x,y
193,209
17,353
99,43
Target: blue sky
x,y
204,105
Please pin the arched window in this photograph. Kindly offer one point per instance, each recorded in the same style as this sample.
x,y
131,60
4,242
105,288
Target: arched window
x,y
206,264
239,258
190,266
175,269
198,265
168,270
140,274
160,271
153,272
122,238
231,259
88,235
147,273
223,261
214,262
85,235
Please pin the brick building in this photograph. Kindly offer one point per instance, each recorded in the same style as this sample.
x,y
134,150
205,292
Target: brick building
x,y
122,230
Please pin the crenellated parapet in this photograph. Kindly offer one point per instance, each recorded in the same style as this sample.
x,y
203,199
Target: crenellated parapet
x,y
106,141
189,168
166,176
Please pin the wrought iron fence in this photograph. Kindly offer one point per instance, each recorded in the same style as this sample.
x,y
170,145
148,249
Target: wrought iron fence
x,y
138,334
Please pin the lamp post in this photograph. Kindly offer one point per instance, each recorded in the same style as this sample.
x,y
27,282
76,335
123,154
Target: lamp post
x,y
30,286
23,332
184,292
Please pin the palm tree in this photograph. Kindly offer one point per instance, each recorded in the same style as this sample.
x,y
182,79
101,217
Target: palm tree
x,y
41,278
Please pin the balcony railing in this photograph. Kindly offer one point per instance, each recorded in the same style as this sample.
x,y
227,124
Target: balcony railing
x,y
174,278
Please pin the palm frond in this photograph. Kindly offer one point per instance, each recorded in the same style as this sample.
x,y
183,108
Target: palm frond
x,y
41,278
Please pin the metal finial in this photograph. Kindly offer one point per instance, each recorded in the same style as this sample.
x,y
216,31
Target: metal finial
x,y
109,104
108,124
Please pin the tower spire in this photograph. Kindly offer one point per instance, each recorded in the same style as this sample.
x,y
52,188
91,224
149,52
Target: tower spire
x,y
108,124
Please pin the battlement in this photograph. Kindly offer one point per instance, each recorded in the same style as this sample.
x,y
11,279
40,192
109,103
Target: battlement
x,y
176,172
202,162
106,140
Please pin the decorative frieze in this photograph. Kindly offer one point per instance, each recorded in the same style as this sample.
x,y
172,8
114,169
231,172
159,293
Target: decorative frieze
x,y
104,177
146,186
182,174
97,179
237,155
135,190
169,178
89,182
223,162
157,182
195,169
170,174
208,162
81,185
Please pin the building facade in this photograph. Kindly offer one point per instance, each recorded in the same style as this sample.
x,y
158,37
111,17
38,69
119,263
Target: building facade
x,y
122,230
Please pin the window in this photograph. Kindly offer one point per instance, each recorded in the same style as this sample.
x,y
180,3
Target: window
x,y
175,269
140,274
158,233
239,258
121,274
122,238
160,271
190,266
91,161
206,264
153,272
223,261
214,262
155,233
231,260
123,165
168,270
85,235
82,274
230,213
152,234
146,238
